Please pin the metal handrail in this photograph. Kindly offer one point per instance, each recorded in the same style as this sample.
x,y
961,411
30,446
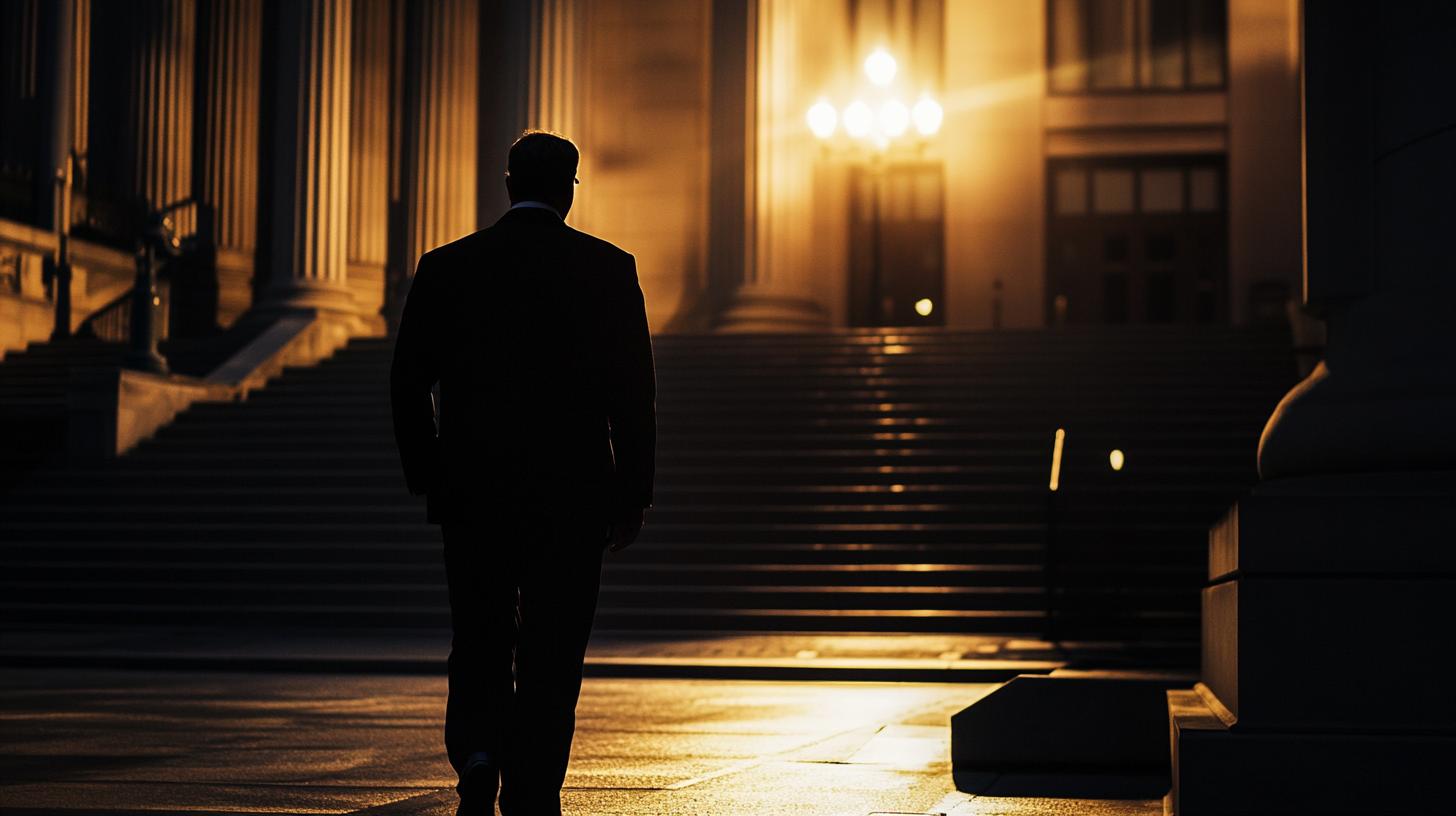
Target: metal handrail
x,y
1049,554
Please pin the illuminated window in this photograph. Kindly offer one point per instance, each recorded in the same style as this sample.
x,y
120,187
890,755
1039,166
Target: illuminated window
x,y
1112,191
1123,45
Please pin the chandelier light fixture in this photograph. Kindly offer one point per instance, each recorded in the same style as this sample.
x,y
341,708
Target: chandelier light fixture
x,y
878,115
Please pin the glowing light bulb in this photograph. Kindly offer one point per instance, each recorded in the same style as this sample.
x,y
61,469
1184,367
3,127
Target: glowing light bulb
x,y
924,307
859,120
823,118
894,118
880,67
1116,459
927,115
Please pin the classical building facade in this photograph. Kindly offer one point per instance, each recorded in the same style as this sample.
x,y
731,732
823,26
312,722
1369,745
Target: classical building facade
x,y
1091,160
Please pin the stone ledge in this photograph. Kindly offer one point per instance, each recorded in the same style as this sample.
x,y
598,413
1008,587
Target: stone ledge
x,y
113,411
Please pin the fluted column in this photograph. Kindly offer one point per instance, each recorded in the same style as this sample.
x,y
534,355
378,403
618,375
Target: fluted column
x,y
230,146
531,58
367,244
555,44
311,156
776,293
163,49
440,197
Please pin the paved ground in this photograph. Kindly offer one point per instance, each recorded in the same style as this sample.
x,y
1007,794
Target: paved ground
x,y
91,741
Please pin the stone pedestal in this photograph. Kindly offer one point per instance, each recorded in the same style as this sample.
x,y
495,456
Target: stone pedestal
x,y
1328,613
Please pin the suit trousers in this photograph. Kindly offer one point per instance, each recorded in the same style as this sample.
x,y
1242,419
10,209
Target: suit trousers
x,y
523,592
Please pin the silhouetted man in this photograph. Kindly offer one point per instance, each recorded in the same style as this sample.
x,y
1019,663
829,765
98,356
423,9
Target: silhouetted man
x,y
537,456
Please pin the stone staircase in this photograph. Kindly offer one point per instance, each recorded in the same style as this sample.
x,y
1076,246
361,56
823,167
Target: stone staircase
x,y
891,481
34,386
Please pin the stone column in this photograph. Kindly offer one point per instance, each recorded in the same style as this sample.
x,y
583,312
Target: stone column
x,y
1331,586
163,45
229,190
442,120
555,42
367,244
532,53
311,157
776,292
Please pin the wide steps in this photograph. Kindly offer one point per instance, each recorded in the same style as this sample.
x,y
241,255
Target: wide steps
x,y
857,481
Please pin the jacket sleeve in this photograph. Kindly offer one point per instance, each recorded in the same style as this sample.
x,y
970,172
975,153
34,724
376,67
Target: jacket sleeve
x,y
632,388
412,376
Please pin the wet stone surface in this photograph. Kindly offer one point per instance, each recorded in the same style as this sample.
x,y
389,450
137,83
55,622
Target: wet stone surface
x,y
188,743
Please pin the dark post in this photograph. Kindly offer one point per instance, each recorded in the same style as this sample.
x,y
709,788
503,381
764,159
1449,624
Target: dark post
x,y
143,354
61,263
159,239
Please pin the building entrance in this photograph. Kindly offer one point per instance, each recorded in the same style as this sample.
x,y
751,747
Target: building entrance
x,y
1137,240
897,245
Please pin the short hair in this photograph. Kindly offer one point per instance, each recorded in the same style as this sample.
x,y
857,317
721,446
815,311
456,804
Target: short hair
x,y
540,162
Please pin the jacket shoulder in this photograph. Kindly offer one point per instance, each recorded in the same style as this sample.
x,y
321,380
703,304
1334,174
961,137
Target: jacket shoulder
x,y
600,247
458,249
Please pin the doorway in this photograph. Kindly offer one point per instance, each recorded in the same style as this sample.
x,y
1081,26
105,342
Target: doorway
x,y
1137,240
897,245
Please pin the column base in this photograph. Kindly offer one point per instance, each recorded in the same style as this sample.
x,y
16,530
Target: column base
x,y
334,305
1219,770
1324,633
234,284
759,311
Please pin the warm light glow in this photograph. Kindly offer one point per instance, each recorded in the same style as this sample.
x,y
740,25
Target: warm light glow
x,y
1116,459
928,116
859,120
1056,479
924,307
823,119
880,67
894,118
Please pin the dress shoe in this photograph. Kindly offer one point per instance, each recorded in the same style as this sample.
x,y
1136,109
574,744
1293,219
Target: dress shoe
x,y
478,784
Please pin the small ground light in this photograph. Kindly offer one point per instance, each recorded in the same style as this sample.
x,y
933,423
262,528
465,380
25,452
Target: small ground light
x,y
924,307
1116,459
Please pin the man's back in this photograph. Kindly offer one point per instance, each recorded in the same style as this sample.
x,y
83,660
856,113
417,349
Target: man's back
x,y
537,337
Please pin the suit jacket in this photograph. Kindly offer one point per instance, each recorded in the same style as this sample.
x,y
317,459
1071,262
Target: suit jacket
x,y
537,338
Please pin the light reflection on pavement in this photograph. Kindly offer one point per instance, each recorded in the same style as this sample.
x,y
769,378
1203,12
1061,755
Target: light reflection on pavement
x,y
186,743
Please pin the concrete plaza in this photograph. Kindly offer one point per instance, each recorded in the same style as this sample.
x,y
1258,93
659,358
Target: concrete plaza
x,y
101,741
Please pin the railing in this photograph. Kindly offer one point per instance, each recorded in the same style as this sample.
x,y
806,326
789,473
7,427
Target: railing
x,y
1050,578
112,322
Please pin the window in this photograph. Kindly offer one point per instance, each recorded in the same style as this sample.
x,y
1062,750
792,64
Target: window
x,y
1134,45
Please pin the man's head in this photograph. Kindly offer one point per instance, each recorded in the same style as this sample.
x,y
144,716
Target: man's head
x,y
542,167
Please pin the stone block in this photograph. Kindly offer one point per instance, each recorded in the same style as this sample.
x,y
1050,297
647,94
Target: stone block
x,y
1105,721
1222,771
1389,524
1335,653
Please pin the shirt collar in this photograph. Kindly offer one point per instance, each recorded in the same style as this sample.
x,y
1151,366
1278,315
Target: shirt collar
x,y
535,205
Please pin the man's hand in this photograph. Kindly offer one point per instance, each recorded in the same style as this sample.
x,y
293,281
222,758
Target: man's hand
x,y
626,524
